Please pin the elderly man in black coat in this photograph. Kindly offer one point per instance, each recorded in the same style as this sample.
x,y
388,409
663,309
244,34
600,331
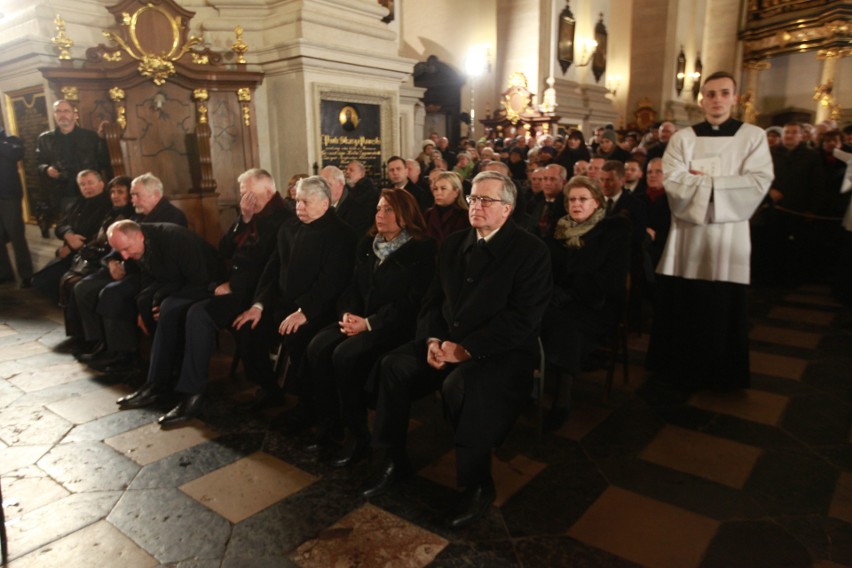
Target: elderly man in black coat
x,y
297,294
476,341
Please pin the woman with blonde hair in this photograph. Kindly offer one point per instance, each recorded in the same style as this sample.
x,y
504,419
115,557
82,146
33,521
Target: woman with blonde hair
x,y
449,214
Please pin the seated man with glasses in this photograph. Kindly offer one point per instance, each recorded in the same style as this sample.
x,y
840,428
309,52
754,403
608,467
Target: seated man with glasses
x,y
476,341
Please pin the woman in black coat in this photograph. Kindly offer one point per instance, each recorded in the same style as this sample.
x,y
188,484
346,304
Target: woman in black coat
x,y
393,266
590,254
449,214
575,150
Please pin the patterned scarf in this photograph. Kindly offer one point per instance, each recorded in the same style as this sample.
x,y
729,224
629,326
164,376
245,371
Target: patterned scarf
x,y
384,249
569,231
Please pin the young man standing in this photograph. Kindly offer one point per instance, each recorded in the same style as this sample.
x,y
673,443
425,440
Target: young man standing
x,y
716,174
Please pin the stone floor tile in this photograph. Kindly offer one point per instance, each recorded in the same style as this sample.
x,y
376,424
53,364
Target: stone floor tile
x,y
112,425
150,443
56,393
89,466
241,489
16,457
560,551
777,365
370,537
23,350
24,494
9,393
170,526
89,406
841,503
710,457
51,376
31,426
58,519
582,420
750,404
800,315
784,336
753,544
645,531
5,330
99,544
509,476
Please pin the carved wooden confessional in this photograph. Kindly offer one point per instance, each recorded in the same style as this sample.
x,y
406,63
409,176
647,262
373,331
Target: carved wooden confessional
x,y
169,106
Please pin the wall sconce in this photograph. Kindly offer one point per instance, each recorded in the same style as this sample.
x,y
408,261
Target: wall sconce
x,y
696,77
565,38
613,83
599,55
590,47
680,72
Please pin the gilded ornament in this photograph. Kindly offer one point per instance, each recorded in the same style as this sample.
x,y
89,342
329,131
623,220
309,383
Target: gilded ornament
x,y
157,68
199,59
244,95
246,115
116,94
200,94
239,46
70,94
61,40
202,113
114,56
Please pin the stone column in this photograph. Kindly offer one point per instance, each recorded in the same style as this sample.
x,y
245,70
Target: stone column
x,y
749,96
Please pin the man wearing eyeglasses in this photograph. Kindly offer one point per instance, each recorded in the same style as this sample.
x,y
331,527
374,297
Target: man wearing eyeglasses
x,y
476,341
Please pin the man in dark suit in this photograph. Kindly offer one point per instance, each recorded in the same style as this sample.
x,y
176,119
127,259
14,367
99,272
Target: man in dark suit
x,y
357,213
620,202
107,298
476,341
548,206
360,186
11,216
247,245
398,176
173,262
297,295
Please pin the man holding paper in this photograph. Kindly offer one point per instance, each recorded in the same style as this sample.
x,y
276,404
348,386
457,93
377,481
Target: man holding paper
x,y
715,174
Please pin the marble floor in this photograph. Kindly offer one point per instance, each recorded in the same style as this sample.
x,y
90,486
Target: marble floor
x,y
760,478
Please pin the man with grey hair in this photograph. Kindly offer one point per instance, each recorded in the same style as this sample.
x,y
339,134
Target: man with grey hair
x,y
666,130
296,297
358,214
146,195
476,341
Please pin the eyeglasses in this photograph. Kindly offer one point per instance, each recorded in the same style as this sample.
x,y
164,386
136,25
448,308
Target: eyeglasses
x,y
581,200
482,201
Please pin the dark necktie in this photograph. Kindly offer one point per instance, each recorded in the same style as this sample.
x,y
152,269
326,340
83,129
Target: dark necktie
x,y
608,206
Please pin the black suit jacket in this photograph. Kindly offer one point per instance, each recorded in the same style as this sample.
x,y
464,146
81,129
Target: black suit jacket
x,y
165,212
635,211
535,212
248,246
489,298
310,268
84,216
358,212
177,262
424,198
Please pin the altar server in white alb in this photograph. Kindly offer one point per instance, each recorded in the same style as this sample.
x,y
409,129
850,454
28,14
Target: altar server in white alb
x,y
715,174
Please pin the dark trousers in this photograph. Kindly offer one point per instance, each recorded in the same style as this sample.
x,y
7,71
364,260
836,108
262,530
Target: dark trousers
x,y
107,309
12,230
47,279
339,366
168,339
203,320
481,397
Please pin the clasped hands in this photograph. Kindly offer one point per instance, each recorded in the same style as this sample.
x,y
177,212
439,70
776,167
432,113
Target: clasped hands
x,y
439,353
350,324
290,324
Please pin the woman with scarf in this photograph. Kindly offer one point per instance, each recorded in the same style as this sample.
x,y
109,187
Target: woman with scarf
x,y
394,264
590,253
449,214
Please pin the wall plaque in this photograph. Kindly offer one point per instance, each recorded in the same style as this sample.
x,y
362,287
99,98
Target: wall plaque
x,y
351,131
27,118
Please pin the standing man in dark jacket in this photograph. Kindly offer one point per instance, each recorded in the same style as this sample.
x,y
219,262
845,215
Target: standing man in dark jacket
x,y
11,215
65,151
247,245
476,341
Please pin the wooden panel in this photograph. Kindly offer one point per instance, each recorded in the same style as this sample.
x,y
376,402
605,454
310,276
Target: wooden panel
x,y
228,144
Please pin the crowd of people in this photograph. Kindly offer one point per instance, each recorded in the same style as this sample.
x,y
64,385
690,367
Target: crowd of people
x,y
448,279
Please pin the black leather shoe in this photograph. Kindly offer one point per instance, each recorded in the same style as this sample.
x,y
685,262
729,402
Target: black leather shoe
x,y
325,440
475,501
145,396
119,362
391,473
294,421
188,409
351,457
95,352
67,345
